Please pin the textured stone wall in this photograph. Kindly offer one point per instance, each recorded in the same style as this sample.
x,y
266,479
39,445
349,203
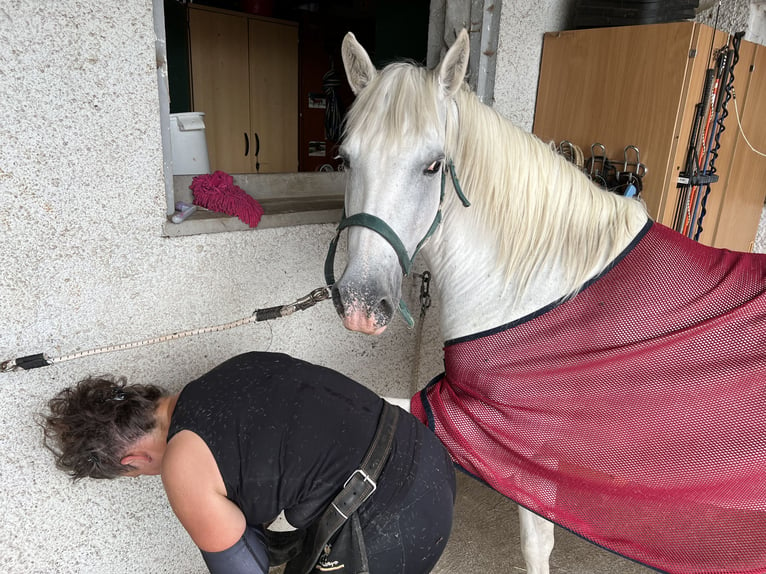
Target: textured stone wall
x,y
84,264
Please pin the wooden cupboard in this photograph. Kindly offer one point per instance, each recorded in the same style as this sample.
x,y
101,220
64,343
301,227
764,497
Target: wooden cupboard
x,y
639,85
244,72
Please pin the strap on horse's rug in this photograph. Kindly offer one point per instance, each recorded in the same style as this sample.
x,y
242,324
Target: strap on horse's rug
x,y
633,414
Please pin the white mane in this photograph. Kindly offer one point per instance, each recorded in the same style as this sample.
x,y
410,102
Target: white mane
x,y
540,206
397,105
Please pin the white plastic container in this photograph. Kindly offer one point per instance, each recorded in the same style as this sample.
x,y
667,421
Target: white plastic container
x,y
189,147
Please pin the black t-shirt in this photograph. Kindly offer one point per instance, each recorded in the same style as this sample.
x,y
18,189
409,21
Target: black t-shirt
x,y
285,434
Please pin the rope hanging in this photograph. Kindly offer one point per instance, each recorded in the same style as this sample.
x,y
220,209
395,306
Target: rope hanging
x,y
43,360
739,125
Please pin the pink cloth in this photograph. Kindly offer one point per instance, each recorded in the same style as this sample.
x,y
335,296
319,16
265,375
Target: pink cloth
x,y
633,414
217,192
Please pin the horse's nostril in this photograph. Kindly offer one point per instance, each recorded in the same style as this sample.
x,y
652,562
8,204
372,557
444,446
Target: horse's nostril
x,y
384,311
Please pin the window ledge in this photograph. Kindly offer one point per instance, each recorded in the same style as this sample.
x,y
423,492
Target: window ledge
x,y
287,199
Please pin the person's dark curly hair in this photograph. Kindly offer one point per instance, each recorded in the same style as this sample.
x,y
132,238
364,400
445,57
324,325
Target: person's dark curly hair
x,y
92,425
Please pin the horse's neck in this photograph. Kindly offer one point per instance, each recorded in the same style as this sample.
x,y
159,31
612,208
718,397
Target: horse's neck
x,y
473,291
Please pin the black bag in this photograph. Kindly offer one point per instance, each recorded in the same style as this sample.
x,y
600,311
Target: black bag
x,y
346,554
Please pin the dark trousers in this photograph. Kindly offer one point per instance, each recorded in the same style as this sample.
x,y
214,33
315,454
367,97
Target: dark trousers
x,y
408,534
406,523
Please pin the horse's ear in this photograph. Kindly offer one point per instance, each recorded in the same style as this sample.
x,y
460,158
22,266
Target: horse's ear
x,y
454,65
359,68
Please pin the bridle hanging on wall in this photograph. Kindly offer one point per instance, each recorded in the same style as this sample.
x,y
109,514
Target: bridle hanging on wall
x,y
704,142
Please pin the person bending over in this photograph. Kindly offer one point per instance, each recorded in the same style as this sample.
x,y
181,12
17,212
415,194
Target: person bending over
x,y
261,439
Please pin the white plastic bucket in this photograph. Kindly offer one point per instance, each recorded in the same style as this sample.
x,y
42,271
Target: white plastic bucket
x,y
189,147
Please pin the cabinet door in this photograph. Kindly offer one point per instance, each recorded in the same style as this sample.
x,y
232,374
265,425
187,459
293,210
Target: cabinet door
x,y
274,95
220,87
617,86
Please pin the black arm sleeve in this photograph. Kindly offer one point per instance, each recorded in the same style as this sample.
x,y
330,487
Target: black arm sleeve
x,y
247,555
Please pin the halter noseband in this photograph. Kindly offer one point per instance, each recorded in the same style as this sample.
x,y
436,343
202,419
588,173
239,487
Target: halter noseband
x,y
382,228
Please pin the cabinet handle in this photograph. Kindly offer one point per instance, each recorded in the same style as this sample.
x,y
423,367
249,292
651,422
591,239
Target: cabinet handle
x,y
247,144
257,150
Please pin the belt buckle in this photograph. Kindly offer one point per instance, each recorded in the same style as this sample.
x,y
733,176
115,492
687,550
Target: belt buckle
x,y
365,478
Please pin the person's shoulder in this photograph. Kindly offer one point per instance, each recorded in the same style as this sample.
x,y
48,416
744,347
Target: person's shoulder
x,y
197,493
188,462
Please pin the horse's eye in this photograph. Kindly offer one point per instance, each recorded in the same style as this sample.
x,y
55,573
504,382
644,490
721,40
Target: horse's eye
x,y
433,168
344,163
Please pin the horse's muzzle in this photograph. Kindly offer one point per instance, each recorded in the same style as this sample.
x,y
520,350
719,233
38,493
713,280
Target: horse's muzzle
x,y
362,311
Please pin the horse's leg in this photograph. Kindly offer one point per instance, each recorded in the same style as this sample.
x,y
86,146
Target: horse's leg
x,y
536,541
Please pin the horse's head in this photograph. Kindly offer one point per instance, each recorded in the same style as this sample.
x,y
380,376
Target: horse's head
x,y
395,156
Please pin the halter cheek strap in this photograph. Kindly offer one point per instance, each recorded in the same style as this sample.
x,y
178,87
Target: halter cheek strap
x,y
383,229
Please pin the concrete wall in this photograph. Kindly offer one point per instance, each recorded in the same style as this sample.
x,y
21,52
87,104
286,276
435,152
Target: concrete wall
x,y
520,45
84,264
756,25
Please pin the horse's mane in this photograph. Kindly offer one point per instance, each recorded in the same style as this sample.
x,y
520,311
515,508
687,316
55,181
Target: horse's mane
x,y
397,106
541,208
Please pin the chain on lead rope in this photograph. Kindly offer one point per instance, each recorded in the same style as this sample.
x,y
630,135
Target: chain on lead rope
x,y
266,314
425,303
425,294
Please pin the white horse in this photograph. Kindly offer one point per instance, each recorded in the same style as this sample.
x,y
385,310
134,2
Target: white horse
x,y
524,235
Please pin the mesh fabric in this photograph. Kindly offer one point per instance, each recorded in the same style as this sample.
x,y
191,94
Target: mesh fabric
x,y
632,414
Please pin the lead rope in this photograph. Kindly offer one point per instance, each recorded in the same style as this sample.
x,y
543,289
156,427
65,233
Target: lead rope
x,y
43,360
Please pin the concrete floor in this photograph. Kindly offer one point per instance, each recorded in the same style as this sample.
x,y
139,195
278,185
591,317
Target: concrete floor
x,y
485,539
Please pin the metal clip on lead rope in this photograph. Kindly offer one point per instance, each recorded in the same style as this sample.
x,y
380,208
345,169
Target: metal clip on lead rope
x,y
301,304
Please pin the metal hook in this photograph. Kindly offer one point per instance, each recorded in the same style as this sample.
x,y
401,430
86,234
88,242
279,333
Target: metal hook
x,y
625,156
593,156
571,152
640,168
8,366
567,150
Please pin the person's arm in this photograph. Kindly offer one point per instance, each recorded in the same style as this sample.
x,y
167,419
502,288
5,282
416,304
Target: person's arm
x,y
197,494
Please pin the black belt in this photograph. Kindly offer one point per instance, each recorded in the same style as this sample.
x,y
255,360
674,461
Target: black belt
x,y
357,489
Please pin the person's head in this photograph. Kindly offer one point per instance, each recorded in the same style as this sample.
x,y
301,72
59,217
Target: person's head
x,y
92,425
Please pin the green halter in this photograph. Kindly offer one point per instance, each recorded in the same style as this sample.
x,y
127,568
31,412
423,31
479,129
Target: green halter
x,y
381,227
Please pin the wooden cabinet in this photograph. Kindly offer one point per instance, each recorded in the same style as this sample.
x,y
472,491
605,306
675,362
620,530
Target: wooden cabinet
x,y
245,79
639,85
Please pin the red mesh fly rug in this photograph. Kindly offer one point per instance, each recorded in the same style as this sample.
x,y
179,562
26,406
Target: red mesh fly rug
x,y
633,414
